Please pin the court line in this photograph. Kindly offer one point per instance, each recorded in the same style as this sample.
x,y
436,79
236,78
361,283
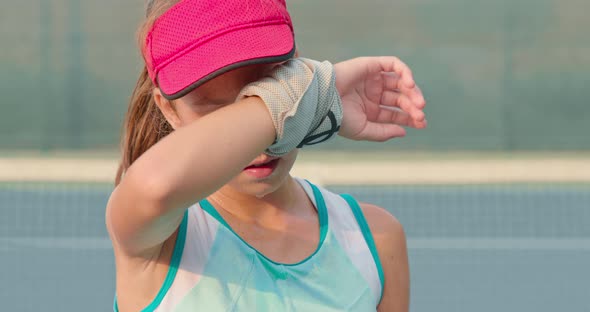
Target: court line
x,y
500,243
55,243
355,172
413,243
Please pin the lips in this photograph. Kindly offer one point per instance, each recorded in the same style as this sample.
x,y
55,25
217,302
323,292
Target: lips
x,y
269,164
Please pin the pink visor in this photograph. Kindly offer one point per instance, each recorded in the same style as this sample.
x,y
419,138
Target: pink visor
x,y
197,40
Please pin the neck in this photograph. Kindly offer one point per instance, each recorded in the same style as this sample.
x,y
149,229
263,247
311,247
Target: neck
x,y
249,207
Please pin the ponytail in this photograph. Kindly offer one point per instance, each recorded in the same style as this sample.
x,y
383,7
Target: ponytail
x,y
144,125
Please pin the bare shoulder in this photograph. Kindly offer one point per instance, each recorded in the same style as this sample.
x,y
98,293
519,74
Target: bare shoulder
x,y
384,226
390,241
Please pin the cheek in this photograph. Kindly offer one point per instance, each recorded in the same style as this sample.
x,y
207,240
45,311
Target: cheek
x,y
189,114
290,158
188,118
287,164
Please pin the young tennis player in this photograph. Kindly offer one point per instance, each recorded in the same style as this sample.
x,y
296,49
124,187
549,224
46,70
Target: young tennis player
x,y
205,216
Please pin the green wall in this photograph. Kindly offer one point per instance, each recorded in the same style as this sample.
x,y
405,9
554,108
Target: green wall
x,y
505,75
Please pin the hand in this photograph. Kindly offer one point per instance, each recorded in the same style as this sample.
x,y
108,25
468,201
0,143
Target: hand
x,y
379,98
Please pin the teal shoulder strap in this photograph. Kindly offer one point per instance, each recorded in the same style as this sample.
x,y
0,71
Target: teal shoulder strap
x,y
174,264
360,219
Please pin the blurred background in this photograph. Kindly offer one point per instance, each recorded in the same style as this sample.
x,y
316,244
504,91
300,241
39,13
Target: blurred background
x,y
494,195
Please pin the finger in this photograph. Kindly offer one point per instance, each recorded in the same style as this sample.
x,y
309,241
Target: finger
x,y
396,99
418,98
394,64
381,132
415,96
391,81
400,118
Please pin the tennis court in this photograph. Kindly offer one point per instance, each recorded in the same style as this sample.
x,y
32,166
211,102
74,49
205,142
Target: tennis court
x,y
473,246
494,196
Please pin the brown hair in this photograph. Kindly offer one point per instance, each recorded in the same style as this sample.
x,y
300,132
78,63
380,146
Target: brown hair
x,y
144,124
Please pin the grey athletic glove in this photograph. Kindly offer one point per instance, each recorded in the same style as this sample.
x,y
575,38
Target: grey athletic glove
x,y
302,99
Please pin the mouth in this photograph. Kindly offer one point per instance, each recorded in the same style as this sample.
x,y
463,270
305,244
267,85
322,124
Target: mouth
x,y
267,164
262,170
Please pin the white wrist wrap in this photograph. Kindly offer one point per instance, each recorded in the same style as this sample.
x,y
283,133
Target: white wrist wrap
x,y
302,99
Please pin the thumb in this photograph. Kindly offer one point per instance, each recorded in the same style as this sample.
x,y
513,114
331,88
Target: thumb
x,y
380,132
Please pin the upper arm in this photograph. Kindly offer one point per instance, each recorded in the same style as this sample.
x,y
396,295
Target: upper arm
x,y
390,241
134,217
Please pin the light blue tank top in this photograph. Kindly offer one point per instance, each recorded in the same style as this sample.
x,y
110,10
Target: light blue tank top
x,y
213,269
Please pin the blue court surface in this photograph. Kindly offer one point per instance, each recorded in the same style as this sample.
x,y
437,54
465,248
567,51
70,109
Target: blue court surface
x,y
471,248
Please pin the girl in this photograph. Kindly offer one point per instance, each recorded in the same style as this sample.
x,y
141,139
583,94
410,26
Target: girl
x,y
205,215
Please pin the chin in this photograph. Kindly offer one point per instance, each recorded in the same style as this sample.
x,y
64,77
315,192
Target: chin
x,y
261,193
259,187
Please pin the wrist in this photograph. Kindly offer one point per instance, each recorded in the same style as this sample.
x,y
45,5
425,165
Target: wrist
x,y
340,86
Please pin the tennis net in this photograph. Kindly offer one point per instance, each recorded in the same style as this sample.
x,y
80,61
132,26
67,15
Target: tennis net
x,y
485,232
